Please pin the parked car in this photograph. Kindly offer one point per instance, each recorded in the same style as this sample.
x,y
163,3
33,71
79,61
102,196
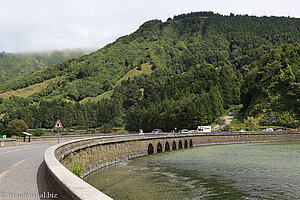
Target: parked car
x,y
242,131
157,131
268,129
185,131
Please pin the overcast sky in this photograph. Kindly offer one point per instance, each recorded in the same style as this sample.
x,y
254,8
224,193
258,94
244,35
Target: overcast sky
x,y
32,25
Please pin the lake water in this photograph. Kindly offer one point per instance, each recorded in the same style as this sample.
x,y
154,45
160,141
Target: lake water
x,y
239,171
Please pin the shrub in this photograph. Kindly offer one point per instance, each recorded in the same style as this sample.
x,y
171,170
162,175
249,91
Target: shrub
x,y
122,132
220,121
16,127
77,170
38,132
227,128
106,128
250,123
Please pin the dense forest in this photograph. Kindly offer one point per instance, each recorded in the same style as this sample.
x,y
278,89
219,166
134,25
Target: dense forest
x,y
271,90
16,65
201,63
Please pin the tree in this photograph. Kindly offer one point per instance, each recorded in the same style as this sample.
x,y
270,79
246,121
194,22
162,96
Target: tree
x,y
2,129
220,121
226,128
16,127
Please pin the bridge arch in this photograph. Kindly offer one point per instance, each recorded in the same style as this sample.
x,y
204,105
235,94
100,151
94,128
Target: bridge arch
x,y
150,149
159,148
186,144
174,145
180,145
167,146
191,143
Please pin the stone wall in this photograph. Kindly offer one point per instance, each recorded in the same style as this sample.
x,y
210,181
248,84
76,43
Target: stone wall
x,y
95,153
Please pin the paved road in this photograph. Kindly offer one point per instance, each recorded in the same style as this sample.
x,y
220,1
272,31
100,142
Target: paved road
x,y
228,118
21,171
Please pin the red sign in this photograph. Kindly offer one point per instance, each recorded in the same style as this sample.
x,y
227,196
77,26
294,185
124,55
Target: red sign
x,y
58,125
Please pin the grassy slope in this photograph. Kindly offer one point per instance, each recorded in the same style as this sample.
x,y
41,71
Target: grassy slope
x,y
146,69
28,91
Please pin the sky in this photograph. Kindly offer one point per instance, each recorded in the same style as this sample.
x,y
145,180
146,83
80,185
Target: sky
x,y
39,25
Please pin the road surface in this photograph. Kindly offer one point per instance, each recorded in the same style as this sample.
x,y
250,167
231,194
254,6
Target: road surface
x,y
228,118
22,170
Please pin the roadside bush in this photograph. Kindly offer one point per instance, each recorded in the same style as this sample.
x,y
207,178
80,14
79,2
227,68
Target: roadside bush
x,y
106,128
227,128
220,121
250,123
38,132
122,132
14,137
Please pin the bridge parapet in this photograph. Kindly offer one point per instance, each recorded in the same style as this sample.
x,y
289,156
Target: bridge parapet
x,y
94,153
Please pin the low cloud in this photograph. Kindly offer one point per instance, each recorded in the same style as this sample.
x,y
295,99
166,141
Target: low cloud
x,y
54,24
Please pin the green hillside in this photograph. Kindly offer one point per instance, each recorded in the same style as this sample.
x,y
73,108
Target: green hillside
x,y
144,69
30,90
16,65
271,91
198,65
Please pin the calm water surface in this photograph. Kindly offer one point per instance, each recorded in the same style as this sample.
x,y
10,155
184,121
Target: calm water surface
x,y
240,171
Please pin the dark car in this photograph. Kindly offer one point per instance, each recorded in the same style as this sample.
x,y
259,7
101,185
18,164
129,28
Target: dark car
x,y
157,131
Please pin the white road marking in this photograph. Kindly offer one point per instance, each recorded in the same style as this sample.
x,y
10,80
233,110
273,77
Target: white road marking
x,y
12,167
7,152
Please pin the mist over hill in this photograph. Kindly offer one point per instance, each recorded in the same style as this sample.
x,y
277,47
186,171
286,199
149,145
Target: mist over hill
x,y
16,65
180,73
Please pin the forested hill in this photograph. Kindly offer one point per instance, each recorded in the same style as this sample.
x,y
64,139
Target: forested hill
x,y
271,90
198,64
16,65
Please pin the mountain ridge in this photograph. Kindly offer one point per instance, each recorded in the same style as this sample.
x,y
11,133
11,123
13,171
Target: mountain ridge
x,y
198,62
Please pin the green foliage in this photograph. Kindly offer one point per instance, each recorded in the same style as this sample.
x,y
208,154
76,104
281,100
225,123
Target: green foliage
x,y
175,45
106,128
198,61
250,123
122,132
285,119
271,88
227,128
237,125
221,121
77,170
38,132
16,65
2,129
16,127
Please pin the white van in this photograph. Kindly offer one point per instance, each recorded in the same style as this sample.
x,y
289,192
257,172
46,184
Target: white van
x,y
204,129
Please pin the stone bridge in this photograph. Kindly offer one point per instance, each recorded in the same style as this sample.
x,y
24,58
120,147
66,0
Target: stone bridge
x,y
95,153
168,145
